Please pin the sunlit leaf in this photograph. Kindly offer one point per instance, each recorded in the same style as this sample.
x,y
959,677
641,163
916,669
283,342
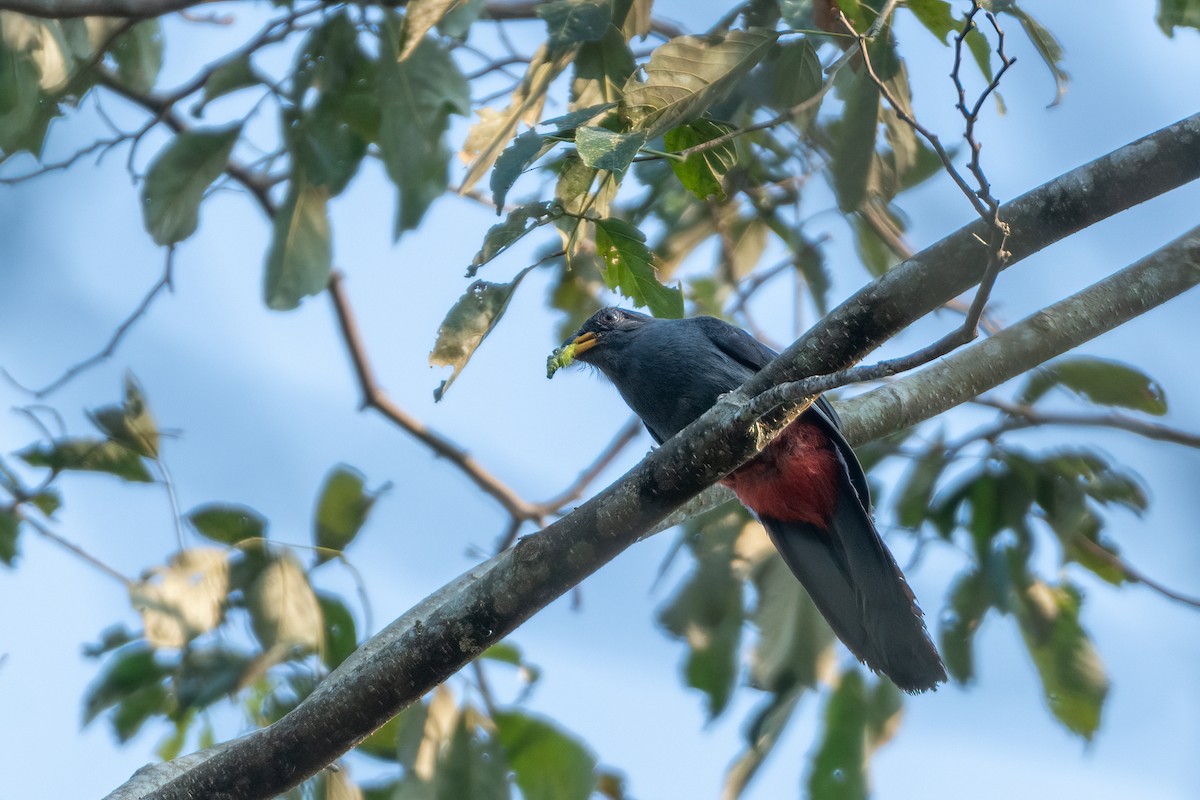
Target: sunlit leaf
x,y
517,224
936,15
183,599
342,509
178,178
468,323
1101,381
129,424
1073,677
629,268
284,611
688,74
549,764
301,256
419,17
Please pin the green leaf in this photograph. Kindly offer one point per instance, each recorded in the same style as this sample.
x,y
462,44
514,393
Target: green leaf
x,y
707,611
1046,45
227,524
139,55
324,147
184,598
853,142
504,652
417,97
838,769
629,268
1099,380
969,601
936,16
9,527
419,18
570,22
341,634
178,178
686,75
916,493
549,763
129,670
25,110
90,455
342,509
136,708
600,148
1177,13
1072,674
504,235
226,79
601,70
516,158
794,641
301,256
472,767
284,611
792,72
129,424
571,120
209,674
763,732
468,323
702,173
112,637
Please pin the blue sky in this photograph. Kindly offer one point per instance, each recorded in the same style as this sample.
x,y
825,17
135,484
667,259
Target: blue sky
x,y
265,404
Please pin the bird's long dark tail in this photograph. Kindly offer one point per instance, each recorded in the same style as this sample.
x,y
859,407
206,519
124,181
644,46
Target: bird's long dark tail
x,y
856,584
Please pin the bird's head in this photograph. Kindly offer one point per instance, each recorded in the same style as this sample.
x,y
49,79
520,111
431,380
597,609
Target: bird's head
x,y
599,340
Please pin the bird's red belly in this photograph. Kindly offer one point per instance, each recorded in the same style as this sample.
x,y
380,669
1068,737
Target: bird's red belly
x,y
793,480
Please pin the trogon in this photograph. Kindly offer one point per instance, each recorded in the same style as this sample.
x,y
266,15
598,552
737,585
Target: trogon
x,y
807,487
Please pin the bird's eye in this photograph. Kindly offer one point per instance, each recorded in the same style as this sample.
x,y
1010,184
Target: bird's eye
x,y
612,316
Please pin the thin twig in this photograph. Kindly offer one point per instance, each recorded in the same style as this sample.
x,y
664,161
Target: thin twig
x,y
164,282
374,397
66,544
1023,416
623,439
1133,574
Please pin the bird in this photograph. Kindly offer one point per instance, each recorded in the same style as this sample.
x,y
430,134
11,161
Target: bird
x,y
807,487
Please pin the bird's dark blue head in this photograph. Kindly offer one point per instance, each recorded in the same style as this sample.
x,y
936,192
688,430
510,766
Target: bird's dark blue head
x,y
601,340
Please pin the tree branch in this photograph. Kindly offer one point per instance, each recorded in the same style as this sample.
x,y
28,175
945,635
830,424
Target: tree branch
x,y
1022,416
455,624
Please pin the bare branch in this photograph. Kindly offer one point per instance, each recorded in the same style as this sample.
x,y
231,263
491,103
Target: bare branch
x,y
46,532
163,282
1022,416
1134,575
69,9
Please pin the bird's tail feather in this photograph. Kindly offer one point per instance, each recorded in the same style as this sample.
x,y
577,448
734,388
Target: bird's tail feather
x,y
856,584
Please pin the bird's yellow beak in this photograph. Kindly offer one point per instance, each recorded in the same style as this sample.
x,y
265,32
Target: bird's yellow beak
x,y
564,356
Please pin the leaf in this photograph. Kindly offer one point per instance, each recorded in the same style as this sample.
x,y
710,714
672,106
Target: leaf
x,y
570,22
853,143
130,424
793,648
284,611
838,769
1099,380
468,323
9,527
600,148
227,524
301,256
936,16
129,670
341,510
325,148
549,764
701,173
135,709
793,74
763,732
504,235
178,178
25,110
1046,45
458,20
208,674
341,635
417,97
573,119
706,611
185,598
629,268
688,74
965,609
602,68
419,17
1177,13
916,494
1072,674
90,455
139,56
472,767
516,158
226,79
